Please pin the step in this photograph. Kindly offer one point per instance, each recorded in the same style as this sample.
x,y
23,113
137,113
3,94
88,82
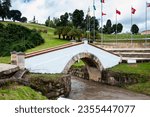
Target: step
x,y
144,50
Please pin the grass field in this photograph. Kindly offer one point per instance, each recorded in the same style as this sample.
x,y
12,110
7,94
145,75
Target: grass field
x,y
124,36
17,92
45,76
5,59
50,39
140,88
139,68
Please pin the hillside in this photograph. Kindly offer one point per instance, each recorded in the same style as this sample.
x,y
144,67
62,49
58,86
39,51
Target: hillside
x,y
18,92
49,37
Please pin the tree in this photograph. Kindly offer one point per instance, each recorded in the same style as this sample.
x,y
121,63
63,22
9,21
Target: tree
x,y
15,15
34,19
78,34
65,32
108,28
47,22
87,22
23,19
64,19
58,32
4,8
134,29
119,28
72,33
0,8
15,37
52,23
56,21
78,18
114,28
92,23
49,18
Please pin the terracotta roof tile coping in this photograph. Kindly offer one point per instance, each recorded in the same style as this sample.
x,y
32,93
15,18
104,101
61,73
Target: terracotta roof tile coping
x,y
28,55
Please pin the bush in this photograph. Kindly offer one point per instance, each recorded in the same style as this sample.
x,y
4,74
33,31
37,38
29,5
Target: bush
x,y
17,38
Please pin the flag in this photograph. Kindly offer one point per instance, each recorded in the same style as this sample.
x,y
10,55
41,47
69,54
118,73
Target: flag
x,y
148,4
103,14
118,12
133,10
102,1
94,7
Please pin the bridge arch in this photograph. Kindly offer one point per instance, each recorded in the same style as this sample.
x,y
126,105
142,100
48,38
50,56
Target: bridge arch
x,y
93,65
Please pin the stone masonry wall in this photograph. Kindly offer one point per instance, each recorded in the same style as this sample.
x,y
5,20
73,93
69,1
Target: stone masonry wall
x,y
120,78
79,72
112,78
51,88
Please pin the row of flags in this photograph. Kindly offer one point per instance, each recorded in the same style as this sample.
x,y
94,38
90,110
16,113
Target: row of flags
x,y
118,12
133,10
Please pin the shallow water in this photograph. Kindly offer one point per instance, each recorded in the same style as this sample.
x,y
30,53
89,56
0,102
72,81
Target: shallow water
x,y
90,90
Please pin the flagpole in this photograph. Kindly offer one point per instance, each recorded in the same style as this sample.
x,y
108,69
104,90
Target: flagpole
x,y
88,24
89,28
131,27
116,27
101,23
146,24
94,20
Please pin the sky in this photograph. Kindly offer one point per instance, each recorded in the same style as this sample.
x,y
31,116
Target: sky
x,y
41,9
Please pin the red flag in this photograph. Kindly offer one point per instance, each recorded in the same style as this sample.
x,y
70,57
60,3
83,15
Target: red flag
x,y
148,4
103,14
118,12
133,10
103,1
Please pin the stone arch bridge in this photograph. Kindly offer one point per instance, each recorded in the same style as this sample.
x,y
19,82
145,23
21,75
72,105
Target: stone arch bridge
x,y
60,59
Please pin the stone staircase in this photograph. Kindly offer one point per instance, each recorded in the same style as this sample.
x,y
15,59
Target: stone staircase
x,y
19,74
132,52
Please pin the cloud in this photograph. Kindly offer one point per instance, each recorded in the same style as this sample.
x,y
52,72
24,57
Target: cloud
x,y
41,9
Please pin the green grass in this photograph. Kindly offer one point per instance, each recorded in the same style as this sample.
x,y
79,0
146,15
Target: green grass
x,y
50,39
140,87
124,36
78,64
30,25
5,59
139,68
45,76
16,92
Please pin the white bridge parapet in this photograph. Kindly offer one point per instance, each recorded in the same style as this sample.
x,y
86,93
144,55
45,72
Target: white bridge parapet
x,y
56,61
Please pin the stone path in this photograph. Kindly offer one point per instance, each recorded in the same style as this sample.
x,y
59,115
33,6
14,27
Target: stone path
x,y
8,68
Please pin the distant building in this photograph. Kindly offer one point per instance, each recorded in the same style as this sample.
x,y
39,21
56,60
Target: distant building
x,y
145,32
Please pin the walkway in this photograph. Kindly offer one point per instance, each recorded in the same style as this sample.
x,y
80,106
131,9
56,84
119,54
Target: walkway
x,y
89,90
7,68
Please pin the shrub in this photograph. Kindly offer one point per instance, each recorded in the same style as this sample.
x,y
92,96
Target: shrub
x,y
17,38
